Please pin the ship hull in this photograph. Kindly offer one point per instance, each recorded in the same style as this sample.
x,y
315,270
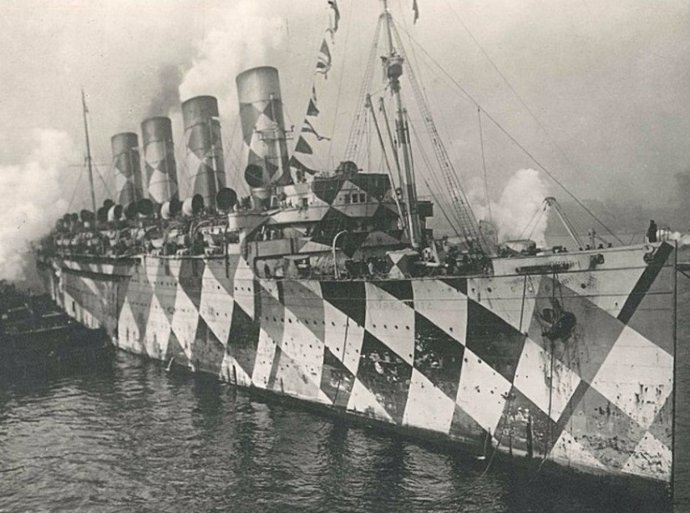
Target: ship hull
x,y
566,359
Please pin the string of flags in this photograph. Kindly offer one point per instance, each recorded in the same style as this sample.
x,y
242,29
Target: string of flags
x,y
312,109
323,62
302,160
309,128
336,15
310,139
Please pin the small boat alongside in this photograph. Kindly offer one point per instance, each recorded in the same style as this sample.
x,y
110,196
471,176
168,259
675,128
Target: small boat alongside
x,y
36,337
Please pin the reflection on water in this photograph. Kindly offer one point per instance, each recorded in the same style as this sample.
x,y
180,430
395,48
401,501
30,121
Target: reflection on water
x,y
135,438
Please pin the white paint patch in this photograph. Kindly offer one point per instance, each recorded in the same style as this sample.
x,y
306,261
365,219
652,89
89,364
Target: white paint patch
x,y
157,330
442,305
637,376
569,452
427,406
216,306
483,391
271,286
127,332
391,321
503,295
89,283
185,320
231,370
650,459
243,283
343,337
534,378
364,401
265,353
608,290
303,347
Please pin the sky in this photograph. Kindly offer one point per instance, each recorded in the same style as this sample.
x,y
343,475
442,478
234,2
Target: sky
x,y
598,91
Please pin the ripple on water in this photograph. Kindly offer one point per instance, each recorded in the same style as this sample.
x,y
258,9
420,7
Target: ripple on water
x,y
135,438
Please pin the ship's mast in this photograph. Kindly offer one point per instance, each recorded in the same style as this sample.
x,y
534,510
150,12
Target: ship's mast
x,y
89,164
394,70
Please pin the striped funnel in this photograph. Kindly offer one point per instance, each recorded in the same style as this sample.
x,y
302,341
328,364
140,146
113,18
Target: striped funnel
x,y
204,147
128,183
159,159
263,126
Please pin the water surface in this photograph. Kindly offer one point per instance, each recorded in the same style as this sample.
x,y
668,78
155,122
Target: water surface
x,y
136,438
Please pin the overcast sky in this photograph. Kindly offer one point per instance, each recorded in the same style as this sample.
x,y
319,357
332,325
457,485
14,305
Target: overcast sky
x,y
609,81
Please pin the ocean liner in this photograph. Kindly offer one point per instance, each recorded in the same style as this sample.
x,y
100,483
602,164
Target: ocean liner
x,y
328,287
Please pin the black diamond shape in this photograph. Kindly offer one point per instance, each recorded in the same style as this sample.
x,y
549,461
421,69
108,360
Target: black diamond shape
x,y
459,284
400,289
207,350
336,380
385,374
347,296
465,428
243,339
645,282
191,271
592,336
525,427
493,340
274,368
175,351
604,430
437,355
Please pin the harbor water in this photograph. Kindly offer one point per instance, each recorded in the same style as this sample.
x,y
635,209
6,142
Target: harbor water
x,y
133,437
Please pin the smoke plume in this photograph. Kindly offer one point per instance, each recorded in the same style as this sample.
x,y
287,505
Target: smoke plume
x,y
518,211
168,96
244,39
682,238
33,198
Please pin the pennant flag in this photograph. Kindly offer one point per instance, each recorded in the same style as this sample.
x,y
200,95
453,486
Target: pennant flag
x,y
303,147
312,109
336,12
310,143
309,129
323,64
300,167
415,8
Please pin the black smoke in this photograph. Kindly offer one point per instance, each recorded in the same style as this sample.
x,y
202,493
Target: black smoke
x,y
168,96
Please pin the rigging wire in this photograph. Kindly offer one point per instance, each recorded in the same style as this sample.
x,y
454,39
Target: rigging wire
x,y
510,86
514,140
536,223
357,129
105,185
311,73
486,182
340,84
454,224
76,187
532,220
460,202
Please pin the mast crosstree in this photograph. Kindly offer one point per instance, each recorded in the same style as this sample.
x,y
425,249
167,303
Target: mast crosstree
x,y
457,209
394,69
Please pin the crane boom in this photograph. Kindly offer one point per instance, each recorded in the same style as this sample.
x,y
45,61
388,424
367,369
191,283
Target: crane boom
x,y
553,203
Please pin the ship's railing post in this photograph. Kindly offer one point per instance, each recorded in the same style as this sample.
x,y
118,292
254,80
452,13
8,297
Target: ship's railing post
x,y
335,261
674,387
